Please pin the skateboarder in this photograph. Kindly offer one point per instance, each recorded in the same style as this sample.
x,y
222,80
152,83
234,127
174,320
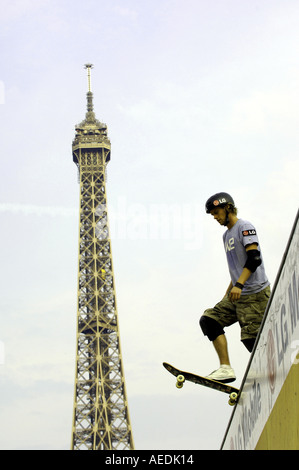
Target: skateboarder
x,y
248,293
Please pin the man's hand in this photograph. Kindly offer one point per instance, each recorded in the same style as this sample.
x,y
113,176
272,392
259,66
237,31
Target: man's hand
x,y
234,294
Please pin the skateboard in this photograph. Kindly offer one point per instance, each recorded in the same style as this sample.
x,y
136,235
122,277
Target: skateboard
x,y
197,379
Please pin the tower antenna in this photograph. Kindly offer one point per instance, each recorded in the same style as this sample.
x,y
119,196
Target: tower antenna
x,y
88,67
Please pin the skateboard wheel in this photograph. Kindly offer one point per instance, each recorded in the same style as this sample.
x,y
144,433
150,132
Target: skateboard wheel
x,y
233,398
180,381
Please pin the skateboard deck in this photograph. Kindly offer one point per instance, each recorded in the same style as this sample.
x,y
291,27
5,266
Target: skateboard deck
x,y
182,376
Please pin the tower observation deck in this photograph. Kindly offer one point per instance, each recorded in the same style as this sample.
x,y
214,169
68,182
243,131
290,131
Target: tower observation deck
x,y
100,415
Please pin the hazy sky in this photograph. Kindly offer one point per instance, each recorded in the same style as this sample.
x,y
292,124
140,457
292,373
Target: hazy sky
x,y
199,96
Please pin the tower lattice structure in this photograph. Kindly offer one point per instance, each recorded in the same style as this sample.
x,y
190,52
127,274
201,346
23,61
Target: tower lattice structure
x,y
100,416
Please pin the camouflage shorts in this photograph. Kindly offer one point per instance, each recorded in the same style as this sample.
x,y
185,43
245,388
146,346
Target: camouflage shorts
x,y
248,311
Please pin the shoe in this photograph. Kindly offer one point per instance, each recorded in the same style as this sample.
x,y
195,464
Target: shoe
x,y
224,374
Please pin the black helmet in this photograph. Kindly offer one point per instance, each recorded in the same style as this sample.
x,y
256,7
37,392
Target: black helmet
x,y
218,200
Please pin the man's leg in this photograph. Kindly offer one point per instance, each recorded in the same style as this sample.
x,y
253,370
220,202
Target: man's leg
x,y
250,313
215,333
220,345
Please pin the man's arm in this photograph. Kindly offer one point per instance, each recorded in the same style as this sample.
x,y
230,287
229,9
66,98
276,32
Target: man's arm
x,y
235,292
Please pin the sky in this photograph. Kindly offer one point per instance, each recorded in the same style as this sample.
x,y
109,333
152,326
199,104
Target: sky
x,y
199,96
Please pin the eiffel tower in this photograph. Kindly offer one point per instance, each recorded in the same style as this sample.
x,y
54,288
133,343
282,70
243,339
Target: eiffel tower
x,y
100,416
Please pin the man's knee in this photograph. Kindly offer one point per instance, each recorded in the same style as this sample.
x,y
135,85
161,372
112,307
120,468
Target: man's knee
x,y
210,327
